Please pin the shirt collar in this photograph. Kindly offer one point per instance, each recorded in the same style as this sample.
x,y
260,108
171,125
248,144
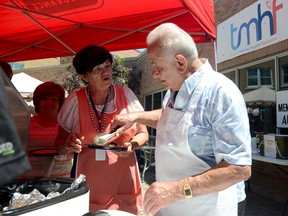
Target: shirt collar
x,y
189,86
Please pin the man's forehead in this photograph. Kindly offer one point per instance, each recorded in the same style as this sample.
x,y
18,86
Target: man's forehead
x,y
158,58
155,55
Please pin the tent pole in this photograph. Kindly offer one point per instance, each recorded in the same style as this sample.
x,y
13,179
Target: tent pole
x,y
39,42
52,35
214,55
27,13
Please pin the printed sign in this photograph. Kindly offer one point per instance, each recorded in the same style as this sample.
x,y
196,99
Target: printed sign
x,y
59,6
282,109
257,26
269,146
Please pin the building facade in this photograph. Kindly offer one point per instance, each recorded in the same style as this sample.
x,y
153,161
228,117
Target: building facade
x,y
252,50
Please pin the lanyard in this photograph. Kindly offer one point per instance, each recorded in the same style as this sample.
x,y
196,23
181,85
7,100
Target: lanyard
x,y
101,127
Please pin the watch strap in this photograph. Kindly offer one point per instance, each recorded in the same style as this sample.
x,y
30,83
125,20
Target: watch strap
x,y
187,189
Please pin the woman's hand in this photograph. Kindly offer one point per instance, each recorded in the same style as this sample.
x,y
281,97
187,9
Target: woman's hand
x,y
74,142
124,153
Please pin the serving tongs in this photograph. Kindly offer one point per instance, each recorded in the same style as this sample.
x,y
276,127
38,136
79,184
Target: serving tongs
x,y
103,138
101,142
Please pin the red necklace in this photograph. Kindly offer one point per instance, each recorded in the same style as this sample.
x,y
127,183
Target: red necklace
x,y
102,117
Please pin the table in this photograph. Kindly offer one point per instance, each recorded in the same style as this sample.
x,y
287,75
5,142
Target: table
x,y
147,153
276,162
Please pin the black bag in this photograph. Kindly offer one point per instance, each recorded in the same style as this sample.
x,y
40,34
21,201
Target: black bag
x,y
13,160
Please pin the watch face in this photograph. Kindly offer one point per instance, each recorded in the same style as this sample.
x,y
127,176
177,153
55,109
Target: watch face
x,y
188,192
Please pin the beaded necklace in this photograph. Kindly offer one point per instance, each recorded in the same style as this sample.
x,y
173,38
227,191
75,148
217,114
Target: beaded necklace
x,y
101,125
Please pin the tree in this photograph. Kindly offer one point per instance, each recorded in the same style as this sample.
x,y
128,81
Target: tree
x,y
134,80
120,72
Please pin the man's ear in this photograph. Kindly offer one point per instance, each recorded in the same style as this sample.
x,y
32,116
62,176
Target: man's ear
x,y
181,62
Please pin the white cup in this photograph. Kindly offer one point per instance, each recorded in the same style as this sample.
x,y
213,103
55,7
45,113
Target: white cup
x,y
254,145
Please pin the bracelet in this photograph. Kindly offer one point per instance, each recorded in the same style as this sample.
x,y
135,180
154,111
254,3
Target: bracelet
x,y
66,147
187,189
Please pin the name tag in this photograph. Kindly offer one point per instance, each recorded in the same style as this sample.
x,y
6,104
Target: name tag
x,y
100,155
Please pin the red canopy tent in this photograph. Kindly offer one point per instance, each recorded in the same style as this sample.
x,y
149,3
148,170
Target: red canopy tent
x,y
35,29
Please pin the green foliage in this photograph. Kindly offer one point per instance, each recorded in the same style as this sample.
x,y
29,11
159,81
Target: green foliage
x,y
72,80
134,80
120,72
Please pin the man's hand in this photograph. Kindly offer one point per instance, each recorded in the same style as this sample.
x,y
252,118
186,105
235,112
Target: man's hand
x,y
121,123
160,195
125,121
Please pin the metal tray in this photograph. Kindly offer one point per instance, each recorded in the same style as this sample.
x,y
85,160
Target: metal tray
x,y
111,147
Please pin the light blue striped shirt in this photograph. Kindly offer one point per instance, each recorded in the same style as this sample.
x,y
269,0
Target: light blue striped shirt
x,y
220,125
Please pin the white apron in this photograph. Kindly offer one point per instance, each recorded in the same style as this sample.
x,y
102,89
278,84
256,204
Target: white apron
x,y
174,160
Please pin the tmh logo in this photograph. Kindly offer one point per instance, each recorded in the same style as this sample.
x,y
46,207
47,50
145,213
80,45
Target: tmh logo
x,y
271,13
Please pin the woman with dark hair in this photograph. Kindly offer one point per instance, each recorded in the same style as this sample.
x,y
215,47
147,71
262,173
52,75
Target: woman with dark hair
x,y
48,99
112,176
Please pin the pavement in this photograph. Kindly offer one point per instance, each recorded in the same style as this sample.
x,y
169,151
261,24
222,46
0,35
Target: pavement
x,y
256,205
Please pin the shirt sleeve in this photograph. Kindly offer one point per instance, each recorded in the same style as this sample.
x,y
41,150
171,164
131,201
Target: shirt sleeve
x,y
133,103
232,141
68,117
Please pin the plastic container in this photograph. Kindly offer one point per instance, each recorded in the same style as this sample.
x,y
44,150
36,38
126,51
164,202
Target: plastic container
x,y
72,203
281,142
108,213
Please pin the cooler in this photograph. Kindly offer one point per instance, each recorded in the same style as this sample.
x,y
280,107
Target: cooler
x,y
72,203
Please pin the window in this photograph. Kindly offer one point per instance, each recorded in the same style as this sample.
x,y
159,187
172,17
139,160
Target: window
x,y
257,77
16,66
284,75
153,101
283,72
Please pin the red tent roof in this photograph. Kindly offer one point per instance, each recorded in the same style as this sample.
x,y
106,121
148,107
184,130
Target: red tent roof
x,y
35,29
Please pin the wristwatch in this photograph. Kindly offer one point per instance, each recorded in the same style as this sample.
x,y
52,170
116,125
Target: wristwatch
x,y
187,189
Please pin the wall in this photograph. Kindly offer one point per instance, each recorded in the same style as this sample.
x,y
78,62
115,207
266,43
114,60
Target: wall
x,y
40,63
52,73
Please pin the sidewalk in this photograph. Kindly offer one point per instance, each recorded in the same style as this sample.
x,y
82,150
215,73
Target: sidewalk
x,y
256,205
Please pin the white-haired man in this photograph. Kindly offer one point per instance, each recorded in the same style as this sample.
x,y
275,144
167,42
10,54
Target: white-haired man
x,y
203,152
